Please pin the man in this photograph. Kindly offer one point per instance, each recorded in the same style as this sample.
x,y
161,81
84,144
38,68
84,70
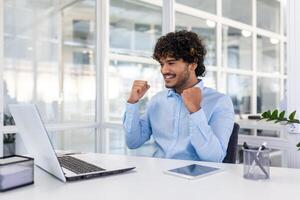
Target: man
x,y
188,120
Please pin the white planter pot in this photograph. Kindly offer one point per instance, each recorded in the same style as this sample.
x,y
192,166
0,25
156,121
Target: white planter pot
x,y
293,128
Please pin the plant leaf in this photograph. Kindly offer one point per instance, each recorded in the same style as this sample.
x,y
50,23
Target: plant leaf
x,y
266,114
292,115
274,114
281,115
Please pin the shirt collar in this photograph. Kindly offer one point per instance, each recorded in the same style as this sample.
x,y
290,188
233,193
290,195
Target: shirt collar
x,y
172,92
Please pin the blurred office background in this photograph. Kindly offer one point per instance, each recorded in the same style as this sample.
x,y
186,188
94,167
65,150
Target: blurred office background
x,y
54,56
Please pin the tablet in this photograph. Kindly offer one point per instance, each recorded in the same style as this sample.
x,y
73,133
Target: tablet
x,y
193,171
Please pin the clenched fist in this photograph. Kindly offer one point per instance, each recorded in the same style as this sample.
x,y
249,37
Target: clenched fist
x,y
139,88
192,99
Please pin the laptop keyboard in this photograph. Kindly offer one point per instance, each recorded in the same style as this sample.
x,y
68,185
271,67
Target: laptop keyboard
x,y
78,166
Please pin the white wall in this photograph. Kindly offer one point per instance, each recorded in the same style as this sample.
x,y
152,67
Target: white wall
x,y
293,54
293,71
1,73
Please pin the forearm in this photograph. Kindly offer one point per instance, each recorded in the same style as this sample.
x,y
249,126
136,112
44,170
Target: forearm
x,y
137,130
210,141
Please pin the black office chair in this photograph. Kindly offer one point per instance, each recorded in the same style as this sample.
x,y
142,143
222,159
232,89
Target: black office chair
x,y
232,145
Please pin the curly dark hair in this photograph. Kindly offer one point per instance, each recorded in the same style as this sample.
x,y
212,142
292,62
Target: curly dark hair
x,y
185,45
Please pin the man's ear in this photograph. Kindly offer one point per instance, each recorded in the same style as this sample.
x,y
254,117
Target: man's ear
x,y
193,66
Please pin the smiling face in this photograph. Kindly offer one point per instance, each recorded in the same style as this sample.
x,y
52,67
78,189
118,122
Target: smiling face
x,y
177,73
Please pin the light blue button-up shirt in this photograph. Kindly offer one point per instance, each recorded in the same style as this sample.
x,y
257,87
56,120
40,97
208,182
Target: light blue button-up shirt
x,y
202,135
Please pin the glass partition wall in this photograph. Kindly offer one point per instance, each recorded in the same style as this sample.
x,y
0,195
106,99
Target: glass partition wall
x,y
49,50
50,60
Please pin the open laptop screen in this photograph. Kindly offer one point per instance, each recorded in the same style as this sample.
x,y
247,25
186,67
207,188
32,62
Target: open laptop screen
x,y
34,134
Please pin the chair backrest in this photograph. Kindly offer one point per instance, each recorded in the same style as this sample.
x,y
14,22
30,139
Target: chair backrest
x,y
232,145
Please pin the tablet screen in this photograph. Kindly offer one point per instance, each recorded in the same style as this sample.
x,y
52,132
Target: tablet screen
x,y
194,170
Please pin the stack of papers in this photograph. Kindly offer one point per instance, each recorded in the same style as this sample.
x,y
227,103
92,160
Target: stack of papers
x,y
14,172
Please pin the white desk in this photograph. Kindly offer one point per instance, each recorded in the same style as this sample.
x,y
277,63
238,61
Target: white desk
x,y
149,182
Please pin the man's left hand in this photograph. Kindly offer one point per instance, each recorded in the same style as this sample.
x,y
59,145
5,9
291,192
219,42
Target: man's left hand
x,y
192,99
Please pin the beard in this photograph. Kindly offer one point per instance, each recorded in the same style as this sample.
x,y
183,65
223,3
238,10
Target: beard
x,y
181,81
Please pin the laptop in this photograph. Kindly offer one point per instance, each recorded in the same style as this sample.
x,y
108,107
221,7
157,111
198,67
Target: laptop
x,y
64,167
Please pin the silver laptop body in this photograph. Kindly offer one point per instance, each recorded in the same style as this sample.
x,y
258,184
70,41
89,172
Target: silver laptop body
x,y
36,139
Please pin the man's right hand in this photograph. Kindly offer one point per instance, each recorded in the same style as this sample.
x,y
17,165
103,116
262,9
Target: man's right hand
x,y
139,88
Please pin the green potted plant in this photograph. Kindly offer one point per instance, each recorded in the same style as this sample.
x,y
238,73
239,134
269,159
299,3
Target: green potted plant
x,y
279,117
9,138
